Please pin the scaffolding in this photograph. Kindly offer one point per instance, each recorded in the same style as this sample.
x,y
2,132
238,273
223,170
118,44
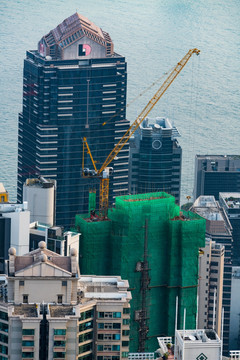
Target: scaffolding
x,y
154,245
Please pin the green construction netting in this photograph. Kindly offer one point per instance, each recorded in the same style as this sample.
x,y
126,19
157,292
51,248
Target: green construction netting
x,y
115,247
92,202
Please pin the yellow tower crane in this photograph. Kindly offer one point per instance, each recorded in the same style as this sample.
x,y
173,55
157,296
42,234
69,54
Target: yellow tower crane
x,y
104,172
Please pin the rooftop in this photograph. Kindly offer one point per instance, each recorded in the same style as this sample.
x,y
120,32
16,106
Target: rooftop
x,y
27,310
70,31
159,126
199,336
218,157
231,200
61,310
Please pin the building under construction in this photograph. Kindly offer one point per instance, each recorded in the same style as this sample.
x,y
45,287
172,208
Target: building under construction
x,y
150,242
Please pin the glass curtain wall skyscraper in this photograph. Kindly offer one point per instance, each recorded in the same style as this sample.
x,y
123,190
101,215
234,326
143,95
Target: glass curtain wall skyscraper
x,y
74,86
155,158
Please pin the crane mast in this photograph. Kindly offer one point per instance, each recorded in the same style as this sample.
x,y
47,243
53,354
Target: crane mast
x,y
104,171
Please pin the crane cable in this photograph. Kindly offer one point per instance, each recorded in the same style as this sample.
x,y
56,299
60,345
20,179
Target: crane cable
x,y
138,96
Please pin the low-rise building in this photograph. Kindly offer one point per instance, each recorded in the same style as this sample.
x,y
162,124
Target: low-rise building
x,y
51,312
197,345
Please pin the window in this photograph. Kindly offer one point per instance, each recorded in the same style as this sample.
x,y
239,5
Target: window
x,y
25,298
27,355
126,310
57,355
21,283
28,331
125,321
115,347
64,283
125,333
27,343
85,326
124,354
116,314
59,299
125,343
3,316
59,343
118,325
59,331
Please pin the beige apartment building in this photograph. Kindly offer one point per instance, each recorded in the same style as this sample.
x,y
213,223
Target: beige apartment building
x,y
48,311
210,291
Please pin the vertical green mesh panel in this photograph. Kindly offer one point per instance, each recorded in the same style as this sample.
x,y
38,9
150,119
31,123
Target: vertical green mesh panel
x,y
94,251
92,201
115,247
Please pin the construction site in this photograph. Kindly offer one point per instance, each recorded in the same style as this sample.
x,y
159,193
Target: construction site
x,y
146,239
149,241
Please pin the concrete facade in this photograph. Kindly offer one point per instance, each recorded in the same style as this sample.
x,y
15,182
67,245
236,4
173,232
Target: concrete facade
x,y
219,229
210,291
197,345
51,312
19,218
40,196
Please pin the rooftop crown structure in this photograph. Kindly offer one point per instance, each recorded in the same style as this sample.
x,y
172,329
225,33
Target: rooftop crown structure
x,y
76,33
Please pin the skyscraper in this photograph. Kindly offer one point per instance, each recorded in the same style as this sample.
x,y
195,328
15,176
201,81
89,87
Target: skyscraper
x,y
155,158
74,85
215,174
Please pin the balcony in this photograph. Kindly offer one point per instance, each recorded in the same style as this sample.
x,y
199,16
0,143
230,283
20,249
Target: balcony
x,y
28,337
59,349
59,337
27,348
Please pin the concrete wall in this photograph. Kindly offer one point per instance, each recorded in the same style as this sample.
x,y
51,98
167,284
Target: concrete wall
x,y
40,203
20,222
43,290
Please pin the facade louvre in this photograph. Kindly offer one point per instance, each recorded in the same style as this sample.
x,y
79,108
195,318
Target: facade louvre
x,y
155,159
65,98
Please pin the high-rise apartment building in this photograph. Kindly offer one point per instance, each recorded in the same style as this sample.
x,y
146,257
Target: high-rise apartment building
x,y
155,158
74,86
231,204
51,312
215,174
218,229
210,290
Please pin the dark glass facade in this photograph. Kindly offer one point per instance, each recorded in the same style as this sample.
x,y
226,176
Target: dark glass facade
x,y
63,101
155,159
215,174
